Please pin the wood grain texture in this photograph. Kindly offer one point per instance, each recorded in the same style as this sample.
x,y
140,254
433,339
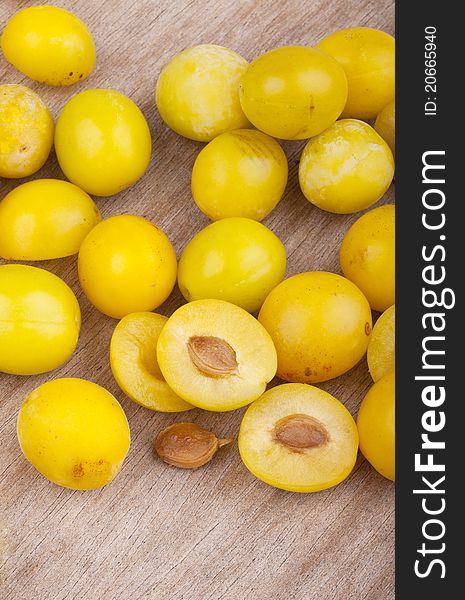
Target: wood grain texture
x,y
157,532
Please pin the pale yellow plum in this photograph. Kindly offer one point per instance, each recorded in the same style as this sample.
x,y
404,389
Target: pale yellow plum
x,y
233,259
40,320
197,92
26,131
102,142
347,168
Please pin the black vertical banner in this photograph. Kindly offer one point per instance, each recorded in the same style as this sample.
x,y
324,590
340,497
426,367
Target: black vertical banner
x,y
430,328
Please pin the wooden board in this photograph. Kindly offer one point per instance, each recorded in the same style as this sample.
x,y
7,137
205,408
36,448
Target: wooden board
x,y
157,532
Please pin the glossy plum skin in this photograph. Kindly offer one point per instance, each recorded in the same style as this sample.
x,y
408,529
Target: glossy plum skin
x,y
368,58
74,432
126,264
376,426
40,320
45,219
234,259
102,141
241,173
367,256
320,324
293,92
49,45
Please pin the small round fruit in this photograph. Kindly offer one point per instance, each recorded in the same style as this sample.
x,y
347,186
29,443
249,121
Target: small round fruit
x,y
368,256
240,173
294,92
298,438
74,433
381,347
320,324
215,355
238,260
197,92
346,168
133,359
44,219
102,142
385,125
126,264
368,59
26,131
376,426
50,45
40,320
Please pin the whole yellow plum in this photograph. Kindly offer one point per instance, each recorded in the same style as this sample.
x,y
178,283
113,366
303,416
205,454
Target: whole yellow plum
x,y
376,426
235,259
74,432
346,168
197,92
49,44
40,320
241,173
293,92
26,131
45,219
320,324
368,58
126,264
102,142
367,256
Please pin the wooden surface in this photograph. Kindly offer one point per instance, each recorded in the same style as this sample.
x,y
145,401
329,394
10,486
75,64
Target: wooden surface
x,y
157,532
